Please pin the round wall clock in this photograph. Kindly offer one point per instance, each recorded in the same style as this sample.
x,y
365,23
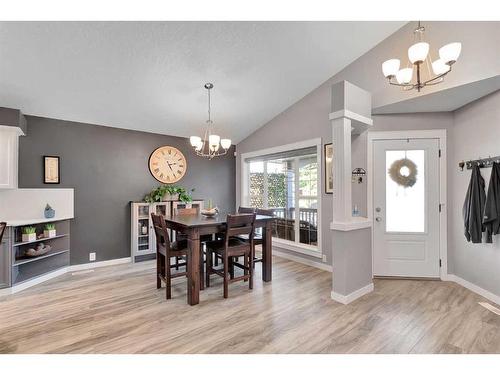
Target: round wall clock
x,y
167,164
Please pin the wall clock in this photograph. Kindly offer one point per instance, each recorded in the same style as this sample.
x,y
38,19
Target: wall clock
x,y
167,164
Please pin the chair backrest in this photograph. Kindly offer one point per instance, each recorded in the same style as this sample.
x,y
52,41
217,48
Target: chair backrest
x,y
161,232
186,211
3,225
246,210
240,224
265,212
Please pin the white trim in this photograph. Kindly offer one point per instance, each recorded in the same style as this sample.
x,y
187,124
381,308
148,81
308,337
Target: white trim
x,y
104,263
350,115
61,271
15,129
472,287
292,246
305,249
307,262
356,223
439,134
352,296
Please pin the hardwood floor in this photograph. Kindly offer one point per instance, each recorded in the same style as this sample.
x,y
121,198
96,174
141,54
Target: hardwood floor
x,y
119,310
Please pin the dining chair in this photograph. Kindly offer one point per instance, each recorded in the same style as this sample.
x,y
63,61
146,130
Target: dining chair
x,y
232,247
164,251
186,211
258,238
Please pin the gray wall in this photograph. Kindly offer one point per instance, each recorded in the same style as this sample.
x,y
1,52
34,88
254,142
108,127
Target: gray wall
x,y
476,133
108,167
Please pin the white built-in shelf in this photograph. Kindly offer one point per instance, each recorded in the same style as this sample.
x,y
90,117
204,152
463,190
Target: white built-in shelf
x,y
26,259
41,239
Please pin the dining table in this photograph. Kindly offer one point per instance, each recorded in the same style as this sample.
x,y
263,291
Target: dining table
x,y
195,225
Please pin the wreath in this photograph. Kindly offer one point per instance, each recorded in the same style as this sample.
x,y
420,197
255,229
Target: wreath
x,y
403,172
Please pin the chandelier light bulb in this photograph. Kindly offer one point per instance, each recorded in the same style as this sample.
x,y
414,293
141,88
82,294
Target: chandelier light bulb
x,y
439,67
198,146
417,53
194,140
225,143
213,141
404,75
390,67
449,53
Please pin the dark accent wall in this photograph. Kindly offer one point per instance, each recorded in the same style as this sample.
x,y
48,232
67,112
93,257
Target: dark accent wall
x,y
108,168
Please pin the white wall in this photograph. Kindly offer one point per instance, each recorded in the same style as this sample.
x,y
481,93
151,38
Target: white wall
x,y
476,133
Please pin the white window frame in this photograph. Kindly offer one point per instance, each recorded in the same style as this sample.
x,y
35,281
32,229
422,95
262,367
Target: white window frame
x,y
314,251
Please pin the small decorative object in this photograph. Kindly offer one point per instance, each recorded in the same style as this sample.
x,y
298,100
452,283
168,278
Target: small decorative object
x,y
29,234
210,212
328,153
168,193
51,170
49,212
41,249
358,174
49,230
144,230
355,211
167,164
403,172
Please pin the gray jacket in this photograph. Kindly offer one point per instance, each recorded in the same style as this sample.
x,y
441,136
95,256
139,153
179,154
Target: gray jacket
x,y
474,207
491,219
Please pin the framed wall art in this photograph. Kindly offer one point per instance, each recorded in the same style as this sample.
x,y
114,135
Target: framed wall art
x,y
51,170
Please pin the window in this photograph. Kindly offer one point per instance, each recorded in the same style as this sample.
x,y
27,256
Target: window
x,y
288,183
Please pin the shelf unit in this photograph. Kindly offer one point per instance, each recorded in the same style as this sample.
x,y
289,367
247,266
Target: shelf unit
x,y
22,268
143,239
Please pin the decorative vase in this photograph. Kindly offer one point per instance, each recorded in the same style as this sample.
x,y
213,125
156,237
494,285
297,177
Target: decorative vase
x,y
49,233
49,212
29,237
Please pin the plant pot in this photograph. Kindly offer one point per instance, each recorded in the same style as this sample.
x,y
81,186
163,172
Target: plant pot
x,y
49,233
170,197
29,237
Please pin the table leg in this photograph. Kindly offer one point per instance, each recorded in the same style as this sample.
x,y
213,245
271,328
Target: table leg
x,y
267,259
193,294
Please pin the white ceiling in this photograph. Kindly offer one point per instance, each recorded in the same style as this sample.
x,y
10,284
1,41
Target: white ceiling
x,y
149,76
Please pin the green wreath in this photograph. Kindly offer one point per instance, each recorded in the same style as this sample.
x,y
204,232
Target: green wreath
x,y
403,172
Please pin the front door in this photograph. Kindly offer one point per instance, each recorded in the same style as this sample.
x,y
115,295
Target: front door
x,y
406,208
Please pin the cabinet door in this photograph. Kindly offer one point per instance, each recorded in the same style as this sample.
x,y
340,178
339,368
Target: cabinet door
x,y
143,229
8,158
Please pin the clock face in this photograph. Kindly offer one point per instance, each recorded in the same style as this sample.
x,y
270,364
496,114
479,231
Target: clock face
x,y
167,164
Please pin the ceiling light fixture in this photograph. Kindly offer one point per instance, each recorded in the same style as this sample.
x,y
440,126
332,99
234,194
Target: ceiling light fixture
x,y
418,54
211,145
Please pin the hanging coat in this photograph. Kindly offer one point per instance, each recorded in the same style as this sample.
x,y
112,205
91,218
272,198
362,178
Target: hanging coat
x,y
491,219
474,207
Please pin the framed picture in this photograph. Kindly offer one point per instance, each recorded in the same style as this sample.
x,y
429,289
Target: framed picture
x,y
51,170
328,154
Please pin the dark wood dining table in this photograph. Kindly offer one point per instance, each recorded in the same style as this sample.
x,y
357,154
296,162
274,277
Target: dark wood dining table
x,y
194,226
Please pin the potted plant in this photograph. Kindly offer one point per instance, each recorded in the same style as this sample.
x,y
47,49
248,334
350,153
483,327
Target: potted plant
x,y
29,234
49,230
168,193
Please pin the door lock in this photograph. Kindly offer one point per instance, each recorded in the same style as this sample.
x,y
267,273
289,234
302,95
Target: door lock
x,y
378,209
378,219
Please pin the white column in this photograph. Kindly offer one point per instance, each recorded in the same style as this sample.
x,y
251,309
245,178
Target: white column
x,y
342,199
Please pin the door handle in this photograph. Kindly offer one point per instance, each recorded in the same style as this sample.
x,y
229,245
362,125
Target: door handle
x,y
378,219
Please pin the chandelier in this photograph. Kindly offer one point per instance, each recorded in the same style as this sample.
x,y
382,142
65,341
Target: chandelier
x,y
418,55
211,145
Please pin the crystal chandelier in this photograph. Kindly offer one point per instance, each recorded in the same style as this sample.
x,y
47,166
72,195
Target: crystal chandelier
x,y
418,55
211,145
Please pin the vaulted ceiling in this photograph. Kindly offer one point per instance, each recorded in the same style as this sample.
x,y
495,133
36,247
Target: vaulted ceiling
x,y
149,76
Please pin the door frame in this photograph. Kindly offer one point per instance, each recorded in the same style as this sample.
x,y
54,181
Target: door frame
x,y
439,134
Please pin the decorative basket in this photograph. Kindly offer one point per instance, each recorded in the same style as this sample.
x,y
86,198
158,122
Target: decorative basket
x,y
40,250
211,212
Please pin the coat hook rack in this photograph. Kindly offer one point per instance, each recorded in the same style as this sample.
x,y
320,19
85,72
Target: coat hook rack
x,y
481,162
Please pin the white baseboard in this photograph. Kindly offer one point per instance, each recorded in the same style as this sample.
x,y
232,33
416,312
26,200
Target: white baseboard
x,y
62,271
104,263
353,296
308,262
473,287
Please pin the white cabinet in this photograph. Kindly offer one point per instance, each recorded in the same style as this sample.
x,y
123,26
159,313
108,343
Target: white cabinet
x,y
9,146
143,239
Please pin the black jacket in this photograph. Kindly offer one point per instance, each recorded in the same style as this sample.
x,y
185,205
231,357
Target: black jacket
x,y
474,207
491,219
